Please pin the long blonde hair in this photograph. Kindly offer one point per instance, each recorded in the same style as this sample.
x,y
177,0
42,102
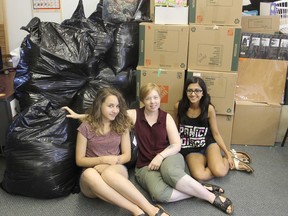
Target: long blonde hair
x,y
120,124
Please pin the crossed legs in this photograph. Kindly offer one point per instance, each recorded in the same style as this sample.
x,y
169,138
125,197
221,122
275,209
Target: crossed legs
x,y
113,186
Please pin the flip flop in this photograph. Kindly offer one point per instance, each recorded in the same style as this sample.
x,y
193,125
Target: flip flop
x,y
247,168
246,159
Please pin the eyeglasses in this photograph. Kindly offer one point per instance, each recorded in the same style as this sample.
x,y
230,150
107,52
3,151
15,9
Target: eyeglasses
x,y
196,91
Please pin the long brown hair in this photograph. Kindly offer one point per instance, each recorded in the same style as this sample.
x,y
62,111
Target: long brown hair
x,y
120,124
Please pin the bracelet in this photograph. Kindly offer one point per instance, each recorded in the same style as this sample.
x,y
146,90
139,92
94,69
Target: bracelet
x,y
161,155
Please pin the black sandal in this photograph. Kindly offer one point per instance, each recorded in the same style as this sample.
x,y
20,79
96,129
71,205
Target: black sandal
x,y
223,206
160,211
215,188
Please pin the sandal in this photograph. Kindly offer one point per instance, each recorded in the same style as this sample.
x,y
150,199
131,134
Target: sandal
x,y
160,211
214,188
244,167
245,157
223,206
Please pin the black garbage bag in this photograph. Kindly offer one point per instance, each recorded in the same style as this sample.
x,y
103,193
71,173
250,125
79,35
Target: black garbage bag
x,y
125,50
40,153
29,52
63,56
85,97
119,11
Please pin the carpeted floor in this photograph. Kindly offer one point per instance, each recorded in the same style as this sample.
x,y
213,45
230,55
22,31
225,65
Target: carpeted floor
x,y
265,193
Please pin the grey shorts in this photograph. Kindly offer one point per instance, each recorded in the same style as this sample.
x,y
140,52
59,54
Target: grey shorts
x,y
160,183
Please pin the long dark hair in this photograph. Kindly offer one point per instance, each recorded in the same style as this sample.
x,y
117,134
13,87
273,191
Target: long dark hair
x,y
184,103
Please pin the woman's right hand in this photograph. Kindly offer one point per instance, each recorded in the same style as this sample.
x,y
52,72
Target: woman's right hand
x,y
73,114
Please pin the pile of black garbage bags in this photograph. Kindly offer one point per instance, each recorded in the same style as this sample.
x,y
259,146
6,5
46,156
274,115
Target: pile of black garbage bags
x,y
65,65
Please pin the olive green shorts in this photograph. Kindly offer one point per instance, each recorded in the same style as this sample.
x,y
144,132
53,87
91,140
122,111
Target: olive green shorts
x,y
160,183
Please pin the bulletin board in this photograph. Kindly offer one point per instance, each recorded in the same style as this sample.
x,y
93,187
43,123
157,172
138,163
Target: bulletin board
x,y
47,10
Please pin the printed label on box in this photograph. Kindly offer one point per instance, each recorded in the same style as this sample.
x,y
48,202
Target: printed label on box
x,y
209,55
162,37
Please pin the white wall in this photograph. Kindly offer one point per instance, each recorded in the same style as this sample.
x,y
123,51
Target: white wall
x,y
19,13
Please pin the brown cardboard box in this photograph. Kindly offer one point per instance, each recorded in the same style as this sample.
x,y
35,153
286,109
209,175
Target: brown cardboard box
x,y
221,12
214,47
255,123
283,125
163,46
221,87
225,125
171,83
261,80
260,24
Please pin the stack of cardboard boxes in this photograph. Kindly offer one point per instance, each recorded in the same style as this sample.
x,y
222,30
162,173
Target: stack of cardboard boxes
x,y
261,81
163,50
206,42
214,42
203,42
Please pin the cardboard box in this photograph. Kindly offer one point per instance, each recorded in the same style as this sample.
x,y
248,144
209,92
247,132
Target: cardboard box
x,y
221,87
283,124
171,83
261,80
171,15
163,46
255,123
261,24
225,125
220,12
214,47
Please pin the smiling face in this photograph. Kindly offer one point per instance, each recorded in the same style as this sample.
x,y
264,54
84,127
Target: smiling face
x,y
110,108
194,93
152,101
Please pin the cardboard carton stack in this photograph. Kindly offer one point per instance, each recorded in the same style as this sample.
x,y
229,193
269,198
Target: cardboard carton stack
x,y
214,43
262,74
163,48
259,95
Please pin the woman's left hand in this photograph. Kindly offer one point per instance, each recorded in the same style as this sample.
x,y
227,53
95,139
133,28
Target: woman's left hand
x,y
230,161
155,163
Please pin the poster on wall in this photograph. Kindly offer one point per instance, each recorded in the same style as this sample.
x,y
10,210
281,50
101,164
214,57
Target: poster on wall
x,y
46,4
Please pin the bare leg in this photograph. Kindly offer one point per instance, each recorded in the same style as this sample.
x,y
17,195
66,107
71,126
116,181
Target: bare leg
x,y
196,163
187,187
116,177
94,185
218,165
